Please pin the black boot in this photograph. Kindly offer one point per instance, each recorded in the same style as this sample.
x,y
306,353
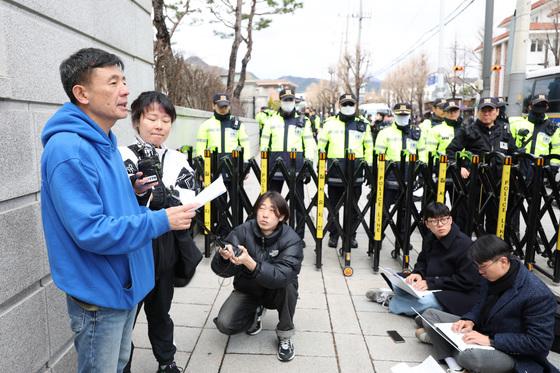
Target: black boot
x,y
333,241
353,243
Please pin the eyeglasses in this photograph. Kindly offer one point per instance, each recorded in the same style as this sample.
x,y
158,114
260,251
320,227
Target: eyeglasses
x,y
439,221
484,267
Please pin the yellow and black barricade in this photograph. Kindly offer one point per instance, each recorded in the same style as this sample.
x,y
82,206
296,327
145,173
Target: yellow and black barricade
x,y
378,224
504,196
348,213
321,175
442,176
207,208
264,172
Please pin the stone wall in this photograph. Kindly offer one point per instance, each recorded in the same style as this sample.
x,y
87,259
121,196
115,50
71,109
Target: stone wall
x,y
35,36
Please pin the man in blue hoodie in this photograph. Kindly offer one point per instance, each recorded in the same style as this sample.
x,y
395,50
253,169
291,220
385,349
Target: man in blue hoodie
x,y
98,237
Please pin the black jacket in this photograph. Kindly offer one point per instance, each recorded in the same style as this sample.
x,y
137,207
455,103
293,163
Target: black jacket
x,y
278,258
446,265
479,139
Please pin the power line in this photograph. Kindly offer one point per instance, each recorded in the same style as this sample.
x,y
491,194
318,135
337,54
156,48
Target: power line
x,y
419,43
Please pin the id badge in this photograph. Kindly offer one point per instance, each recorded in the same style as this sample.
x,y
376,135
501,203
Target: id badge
x,y
545,138
503,145
411,145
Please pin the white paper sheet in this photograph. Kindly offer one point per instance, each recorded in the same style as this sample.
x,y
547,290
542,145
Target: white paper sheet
x,y
429,365
399,282
212,191
457,338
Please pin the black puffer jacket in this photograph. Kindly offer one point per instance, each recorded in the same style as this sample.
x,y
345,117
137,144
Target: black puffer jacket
x,y
278,258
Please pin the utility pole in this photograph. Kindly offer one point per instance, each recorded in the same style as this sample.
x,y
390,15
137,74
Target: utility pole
x,y
519,39
441,52
487,51
357,78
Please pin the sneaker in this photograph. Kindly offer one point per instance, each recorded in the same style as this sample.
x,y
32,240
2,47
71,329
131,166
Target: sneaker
x,y
257,324
333,241
353,243
423,336
381,296
285,349
171,368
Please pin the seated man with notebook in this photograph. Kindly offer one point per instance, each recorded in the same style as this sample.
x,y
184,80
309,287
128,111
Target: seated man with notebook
x,y
513,320
444,275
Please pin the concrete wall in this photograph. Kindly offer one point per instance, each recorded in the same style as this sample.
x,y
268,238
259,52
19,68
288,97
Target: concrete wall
x,y
35,36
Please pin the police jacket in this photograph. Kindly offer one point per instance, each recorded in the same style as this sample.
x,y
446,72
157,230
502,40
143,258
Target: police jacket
x,y
479,139
174,249
286,132
222,133
278,258
521,322
535,136
342,132
440,136
393,139
445,265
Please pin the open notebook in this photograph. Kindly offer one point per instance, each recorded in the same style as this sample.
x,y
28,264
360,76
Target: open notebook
x,y
394,279
453,338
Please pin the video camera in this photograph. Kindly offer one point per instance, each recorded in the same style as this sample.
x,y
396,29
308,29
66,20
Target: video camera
x,y
151,168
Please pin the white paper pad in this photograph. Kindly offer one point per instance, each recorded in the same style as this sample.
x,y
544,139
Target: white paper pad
x,y
399,282
212,191
429,365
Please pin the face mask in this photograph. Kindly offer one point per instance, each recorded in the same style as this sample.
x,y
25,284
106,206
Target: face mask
x,y
402,120
540,109
348,110
287,106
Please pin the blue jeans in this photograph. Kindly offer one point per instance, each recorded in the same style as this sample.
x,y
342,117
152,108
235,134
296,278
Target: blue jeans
x,y
402,303
102,338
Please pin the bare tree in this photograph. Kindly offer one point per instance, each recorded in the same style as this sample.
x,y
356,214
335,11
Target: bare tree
x,y
553,46
407,81
352,71
322,96
167,17
240,25
192,86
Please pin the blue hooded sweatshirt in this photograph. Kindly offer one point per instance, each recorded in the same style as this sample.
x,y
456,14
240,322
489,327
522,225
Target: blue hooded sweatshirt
x,y
99,240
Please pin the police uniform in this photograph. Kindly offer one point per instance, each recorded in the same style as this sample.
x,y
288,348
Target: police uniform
x,y
339,133
391,141
478,139
223,133
262,117
282,133
440,136
435,120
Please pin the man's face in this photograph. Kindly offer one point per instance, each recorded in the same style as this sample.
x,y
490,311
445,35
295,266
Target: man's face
x,y
440,226
487,115
106,95
494,269
439,112
267,218
453,114
221,109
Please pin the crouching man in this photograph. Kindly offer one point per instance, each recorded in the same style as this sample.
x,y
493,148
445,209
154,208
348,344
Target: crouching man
x,y
264,256
514,314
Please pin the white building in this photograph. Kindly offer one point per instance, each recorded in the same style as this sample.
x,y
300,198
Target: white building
x,y
542,32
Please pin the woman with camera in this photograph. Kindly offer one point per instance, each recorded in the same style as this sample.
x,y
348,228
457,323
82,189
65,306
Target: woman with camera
x,y
264,256
160,176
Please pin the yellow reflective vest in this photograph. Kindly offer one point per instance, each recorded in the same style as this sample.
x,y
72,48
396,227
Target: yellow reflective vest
x,y
545,142
391,140
336,136
223,136
284,134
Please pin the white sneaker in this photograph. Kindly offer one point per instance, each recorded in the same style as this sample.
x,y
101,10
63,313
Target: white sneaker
x,y
382,296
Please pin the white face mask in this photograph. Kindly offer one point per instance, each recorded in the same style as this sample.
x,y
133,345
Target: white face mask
x,y
348,110
287,106
402,120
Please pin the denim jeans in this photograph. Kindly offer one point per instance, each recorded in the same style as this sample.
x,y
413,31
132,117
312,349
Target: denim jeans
x,y
402,303
102,338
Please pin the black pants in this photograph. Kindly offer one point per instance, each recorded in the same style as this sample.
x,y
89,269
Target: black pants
x,y
335,194
238,311
160,326
276,185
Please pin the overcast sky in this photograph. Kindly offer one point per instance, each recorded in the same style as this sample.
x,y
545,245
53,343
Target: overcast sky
x,y
308,42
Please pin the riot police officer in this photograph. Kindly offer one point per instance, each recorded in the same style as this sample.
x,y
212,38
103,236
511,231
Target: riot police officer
x,y
314,120
224,133
440,136
437,115
501,106
285,132
485,135
402,135
262,116
346,130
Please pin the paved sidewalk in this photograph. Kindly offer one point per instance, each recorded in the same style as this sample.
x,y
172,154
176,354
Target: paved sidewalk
x,y
338,330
